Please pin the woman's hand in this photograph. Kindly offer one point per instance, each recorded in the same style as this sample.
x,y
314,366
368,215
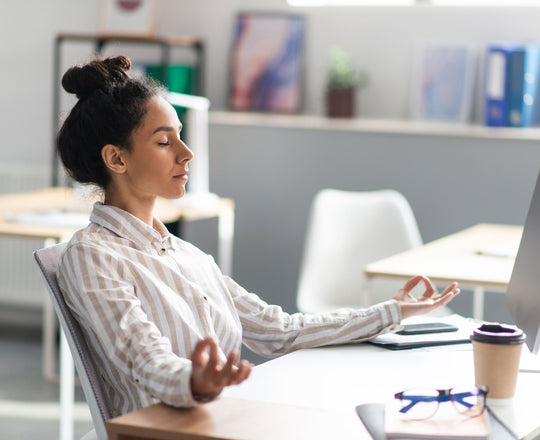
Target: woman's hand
x,y
426,302
208,377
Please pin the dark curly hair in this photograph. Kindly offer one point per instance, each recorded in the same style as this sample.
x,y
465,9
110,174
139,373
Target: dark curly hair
x,y
111,105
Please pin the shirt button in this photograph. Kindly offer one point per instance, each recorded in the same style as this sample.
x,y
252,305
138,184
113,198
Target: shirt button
x,y
162,251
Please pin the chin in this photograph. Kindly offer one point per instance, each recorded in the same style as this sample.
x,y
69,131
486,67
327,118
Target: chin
x,y
178,194
174,196
173,192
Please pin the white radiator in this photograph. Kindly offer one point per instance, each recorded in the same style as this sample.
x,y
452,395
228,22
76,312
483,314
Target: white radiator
x,y
20,282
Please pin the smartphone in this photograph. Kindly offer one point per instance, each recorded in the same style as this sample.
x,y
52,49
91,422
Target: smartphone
x,y
428,327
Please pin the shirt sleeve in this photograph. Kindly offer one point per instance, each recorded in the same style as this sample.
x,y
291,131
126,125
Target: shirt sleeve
x,y
269,331
102,298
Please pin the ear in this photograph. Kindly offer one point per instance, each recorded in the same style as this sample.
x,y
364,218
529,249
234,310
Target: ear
x,y
113,158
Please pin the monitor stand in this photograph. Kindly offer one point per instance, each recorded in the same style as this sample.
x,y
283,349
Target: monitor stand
x,y
529,363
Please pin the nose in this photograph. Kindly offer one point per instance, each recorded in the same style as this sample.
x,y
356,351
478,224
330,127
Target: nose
x,y
184,154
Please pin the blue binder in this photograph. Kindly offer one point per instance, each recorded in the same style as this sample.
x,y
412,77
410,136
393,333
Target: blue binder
x,y
516,76
497,82
524,72
511,85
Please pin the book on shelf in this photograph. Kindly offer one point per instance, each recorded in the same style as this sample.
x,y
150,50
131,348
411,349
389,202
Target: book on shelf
x,y
443,81
445,424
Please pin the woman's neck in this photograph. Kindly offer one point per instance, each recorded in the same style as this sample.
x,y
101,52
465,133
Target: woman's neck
x,y
140,207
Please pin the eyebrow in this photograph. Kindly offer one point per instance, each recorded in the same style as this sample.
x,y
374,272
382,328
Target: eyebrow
x,y
166,128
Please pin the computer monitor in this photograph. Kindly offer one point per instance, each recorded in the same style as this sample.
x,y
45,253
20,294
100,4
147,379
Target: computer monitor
x,y
523,294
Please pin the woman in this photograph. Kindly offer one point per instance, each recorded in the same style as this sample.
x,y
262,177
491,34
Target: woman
x,y
161,320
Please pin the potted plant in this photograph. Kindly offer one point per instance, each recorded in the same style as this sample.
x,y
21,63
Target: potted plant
x,y
342,83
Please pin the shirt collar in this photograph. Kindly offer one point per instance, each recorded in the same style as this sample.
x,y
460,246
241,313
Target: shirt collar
x,y
128,226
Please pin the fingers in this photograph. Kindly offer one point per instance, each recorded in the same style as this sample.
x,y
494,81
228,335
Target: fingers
x,y
444,298
213,361
427,302
430,289
199,357
451,290
242,373
412,283
232,374
228,369
405,291
208,376
448,294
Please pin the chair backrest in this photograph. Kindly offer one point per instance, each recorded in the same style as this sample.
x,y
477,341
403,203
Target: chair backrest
x,y
347,230
48,260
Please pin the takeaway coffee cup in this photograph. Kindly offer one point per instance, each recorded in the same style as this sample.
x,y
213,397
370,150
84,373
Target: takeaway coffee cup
x,y
496,352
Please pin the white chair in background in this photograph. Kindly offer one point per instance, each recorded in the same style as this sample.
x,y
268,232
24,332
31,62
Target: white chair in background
x,y
48,260
347,230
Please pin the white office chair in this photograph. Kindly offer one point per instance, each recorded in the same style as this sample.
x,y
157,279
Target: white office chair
x,y
48,260
347,230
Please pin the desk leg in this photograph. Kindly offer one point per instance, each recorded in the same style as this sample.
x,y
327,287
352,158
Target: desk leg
x,y
67,390
478,303
49,333
226,237
49,330
365,299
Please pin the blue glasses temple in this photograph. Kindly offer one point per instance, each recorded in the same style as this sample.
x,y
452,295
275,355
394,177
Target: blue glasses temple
x,y
442,397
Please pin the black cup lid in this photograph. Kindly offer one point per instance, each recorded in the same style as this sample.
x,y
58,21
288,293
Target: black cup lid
x,y
495,333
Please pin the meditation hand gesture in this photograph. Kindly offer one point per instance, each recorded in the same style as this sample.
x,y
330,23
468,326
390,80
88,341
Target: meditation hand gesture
x,y
428,301
208,377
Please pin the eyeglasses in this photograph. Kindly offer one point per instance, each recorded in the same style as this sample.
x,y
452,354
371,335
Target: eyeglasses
x,y
422,403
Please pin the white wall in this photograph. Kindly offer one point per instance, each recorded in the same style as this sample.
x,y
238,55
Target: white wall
x,y
27,31
381,40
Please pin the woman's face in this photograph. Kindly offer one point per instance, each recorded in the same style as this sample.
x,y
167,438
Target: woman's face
x,y
157,163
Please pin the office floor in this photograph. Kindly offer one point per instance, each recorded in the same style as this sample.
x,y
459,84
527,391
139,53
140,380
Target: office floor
x,y
29,406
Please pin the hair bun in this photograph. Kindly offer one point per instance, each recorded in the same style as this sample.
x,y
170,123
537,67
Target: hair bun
x,y
96,75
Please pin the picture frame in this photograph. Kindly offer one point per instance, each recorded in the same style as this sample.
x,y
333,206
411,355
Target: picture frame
x,y
443,79
128,17
266,62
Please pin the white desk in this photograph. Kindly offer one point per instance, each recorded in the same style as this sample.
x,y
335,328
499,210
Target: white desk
x,y
313,394
340,378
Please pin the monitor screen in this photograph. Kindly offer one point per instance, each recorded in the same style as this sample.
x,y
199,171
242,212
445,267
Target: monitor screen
x,y
523,294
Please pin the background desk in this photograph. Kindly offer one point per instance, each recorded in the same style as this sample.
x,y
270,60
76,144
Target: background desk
x,y
331,382
461,257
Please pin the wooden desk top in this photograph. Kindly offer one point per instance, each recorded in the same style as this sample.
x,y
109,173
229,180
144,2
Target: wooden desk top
x,y
63,199
463,257
235,419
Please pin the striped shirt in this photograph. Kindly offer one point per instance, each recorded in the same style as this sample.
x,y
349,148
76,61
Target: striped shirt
x,y
144,298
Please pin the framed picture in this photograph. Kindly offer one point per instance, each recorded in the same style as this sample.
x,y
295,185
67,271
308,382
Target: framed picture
x,y
267,63
443,81
128,17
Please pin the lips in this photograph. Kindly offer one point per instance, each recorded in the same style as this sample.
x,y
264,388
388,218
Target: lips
x,y
181,176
